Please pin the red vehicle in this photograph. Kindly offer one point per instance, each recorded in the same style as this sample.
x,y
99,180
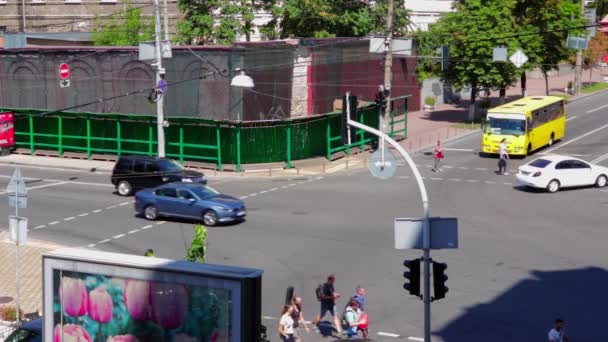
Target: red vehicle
x,y
7,133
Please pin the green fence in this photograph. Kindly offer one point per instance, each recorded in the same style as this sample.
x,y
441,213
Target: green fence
x,y
217,142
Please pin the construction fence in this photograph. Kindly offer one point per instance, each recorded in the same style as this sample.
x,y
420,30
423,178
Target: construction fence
x,y
193,139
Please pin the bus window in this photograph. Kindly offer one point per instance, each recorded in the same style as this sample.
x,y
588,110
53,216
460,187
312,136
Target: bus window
x,y
506,126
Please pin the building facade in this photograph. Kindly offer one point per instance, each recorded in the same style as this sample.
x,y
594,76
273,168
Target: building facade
x,y
425,12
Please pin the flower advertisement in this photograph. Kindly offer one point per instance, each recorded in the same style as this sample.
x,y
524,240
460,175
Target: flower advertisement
x,y
97,308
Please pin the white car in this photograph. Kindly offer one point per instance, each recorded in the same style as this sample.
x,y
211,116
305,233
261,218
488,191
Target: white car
x,y
553,172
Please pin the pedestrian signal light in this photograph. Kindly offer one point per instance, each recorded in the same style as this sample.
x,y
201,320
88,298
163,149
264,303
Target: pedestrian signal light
x,y
413,275
439,279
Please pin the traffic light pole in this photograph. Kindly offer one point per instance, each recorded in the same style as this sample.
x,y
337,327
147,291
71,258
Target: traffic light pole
x,y
388,65
426,229
160,104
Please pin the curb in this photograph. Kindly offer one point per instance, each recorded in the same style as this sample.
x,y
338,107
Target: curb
x,y
588,95
449,140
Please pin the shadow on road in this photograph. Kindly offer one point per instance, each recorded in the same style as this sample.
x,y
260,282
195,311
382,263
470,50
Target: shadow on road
x,y
526,311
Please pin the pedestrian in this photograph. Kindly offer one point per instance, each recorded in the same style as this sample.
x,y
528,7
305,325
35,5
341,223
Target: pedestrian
x,y
360,297
438,155
558,332
503,155
286,324
298,318
327,295
352,314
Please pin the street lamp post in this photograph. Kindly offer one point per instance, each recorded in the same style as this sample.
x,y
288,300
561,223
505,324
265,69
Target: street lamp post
x,y
426,231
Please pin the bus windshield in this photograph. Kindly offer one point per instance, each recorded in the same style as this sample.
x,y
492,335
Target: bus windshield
x,y
505,126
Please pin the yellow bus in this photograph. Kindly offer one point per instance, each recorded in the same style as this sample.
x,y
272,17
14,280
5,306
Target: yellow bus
x,y
528,124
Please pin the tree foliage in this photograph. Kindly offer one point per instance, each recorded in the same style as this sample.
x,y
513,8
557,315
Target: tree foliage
x,y
198,248
538,27
330,18
216,21
125,29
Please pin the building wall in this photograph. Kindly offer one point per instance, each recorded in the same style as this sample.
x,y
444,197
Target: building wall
x,y
72,15
425,12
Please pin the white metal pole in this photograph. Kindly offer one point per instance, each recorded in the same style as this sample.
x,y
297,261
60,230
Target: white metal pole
x,y
160,115
348,117
166,19
426,231
17,280
388,65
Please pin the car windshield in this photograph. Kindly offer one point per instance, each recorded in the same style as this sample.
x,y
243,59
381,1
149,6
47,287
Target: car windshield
x,y
540,163
505,126
204,192
168,165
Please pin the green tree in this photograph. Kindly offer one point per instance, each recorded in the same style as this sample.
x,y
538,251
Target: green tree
x,y
124,29
330,18
216,21
198,248
602,9
544,26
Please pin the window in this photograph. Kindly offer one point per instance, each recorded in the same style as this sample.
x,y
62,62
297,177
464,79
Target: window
x,y
576,164
166,192
168,165
139,166
184,194
540,163
563,165
124,164
151,167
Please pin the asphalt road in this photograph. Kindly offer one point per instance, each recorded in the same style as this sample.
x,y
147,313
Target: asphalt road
x,y
525,257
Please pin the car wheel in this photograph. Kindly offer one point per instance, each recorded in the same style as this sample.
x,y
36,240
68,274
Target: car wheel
x,y
601,181
553,186
209,218
551,139
151,212
124,188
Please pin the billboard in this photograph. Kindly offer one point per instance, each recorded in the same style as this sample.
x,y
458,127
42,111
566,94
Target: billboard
x,y
109,297
7,130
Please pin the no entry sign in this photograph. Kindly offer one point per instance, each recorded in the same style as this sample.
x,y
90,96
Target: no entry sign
x,y
64,71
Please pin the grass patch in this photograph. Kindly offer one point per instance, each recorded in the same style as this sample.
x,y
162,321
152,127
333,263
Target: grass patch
x,y
593,88
467,125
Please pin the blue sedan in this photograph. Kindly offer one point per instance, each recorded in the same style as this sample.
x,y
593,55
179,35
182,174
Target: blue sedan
x,y
191,201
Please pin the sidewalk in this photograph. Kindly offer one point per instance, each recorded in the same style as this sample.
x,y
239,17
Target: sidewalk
x,y
30,285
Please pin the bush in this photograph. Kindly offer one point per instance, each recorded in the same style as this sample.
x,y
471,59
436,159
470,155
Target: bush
x,y
8,313
430,101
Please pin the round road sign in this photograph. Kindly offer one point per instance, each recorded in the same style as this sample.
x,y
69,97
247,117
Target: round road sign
x,y
64,71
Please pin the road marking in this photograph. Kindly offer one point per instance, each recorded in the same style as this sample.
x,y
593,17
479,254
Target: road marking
x,y
599,159
269,317
387,334
263,192
91,245
319,178
596,109
472,181
404,177
507,183
103,241
53,223
284,187
454,179
575,139
146,227
490,182
459,149
40,226
463,168
161,222
448,167
600,190
415,338
292,184
96,211
133,231
481,168
124,203
251,195
69,218
111,207
118,236
569,154
436,178
571,118
40,186
83,214
274,189
243,197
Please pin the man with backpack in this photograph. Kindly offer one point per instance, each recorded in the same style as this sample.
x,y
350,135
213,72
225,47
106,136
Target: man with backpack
x,y
327,295
351,320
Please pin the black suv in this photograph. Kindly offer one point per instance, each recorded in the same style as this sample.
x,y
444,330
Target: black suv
x,y
132,173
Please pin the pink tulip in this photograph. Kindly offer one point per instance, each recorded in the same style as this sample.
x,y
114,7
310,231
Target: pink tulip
x,y
70,333
122,338
218,335
169,304
184,338
100,305
137,299
73,296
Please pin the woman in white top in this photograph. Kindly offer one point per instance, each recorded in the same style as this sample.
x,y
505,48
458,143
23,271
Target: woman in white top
x,y
286,324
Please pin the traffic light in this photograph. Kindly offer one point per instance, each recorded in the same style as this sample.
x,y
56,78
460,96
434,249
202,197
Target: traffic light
x,y
439,279
413,275
385,95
